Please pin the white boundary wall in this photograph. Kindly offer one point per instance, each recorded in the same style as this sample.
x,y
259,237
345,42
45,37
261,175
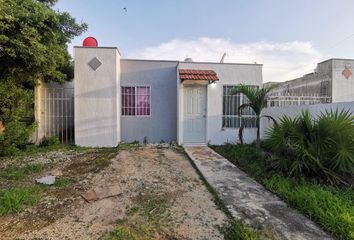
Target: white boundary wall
x,y
292,111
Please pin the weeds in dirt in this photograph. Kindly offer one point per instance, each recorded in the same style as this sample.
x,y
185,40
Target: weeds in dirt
x,y
16,173
129,146
132,232
14,200
237,231
63,182
32,150
94,161
104,158
146,219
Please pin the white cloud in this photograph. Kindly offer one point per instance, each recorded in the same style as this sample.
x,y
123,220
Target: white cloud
x,y
281,60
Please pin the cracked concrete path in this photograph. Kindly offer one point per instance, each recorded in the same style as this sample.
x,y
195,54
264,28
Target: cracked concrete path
x,y
250,201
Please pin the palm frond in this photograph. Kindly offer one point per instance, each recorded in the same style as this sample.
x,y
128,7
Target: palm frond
x,y
242,107
321,147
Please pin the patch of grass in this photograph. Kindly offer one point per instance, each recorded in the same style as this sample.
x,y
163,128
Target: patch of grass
x,y
153,208
132,232
33,150
236,231
63,182
16,199
332,207
92,161
247,158
129,146
16,173
146,219
103,159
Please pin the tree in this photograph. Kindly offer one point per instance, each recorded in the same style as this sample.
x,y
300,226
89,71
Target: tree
x,y
257,101
33,46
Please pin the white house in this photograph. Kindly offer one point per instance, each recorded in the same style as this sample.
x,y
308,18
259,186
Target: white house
x,y
128,99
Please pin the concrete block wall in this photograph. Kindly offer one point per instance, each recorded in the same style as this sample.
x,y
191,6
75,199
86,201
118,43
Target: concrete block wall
x,y
97,102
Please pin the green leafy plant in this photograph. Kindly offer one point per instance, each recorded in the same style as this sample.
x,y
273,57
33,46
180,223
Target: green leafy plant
x,y
321,148
257,101
34,40
51,141
15,137
15,199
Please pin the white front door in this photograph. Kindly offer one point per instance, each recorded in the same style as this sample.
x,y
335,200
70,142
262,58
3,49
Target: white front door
x,y
194,114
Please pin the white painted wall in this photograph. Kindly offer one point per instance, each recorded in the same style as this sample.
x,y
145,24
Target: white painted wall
x,y
229,74
97,101
293,111
342,88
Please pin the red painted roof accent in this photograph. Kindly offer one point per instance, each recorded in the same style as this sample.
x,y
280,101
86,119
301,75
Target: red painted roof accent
x,y
192,74
90,42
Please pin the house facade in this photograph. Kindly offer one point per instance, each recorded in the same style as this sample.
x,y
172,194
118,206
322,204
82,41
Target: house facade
x,y
124,100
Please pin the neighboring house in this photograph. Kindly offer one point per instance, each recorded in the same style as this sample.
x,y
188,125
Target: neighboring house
x,y
188,102
332,81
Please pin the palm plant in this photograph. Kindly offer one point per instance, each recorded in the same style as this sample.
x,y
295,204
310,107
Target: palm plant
x,y
257,101
319,148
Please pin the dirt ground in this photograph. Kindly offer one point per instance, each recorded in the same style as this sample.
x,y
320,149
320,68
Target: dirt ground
x,y
160,197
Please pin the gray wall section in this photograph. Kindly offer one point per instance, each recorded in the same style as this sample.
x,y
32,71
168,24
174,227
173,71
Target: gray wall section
x,y
161,77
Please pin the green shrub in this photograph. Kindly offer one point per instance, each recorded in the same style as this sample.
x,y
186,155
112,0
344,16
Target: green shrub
x,y
321,148
15,137
51,141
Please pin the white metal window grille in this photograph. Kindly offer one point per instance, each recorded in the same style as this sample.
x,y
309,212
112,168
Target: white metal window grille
x,y
231,103
136,101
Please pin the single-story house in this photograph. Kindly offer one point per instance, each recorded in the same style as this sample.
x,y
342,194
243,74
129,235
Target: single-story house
x,y
188,102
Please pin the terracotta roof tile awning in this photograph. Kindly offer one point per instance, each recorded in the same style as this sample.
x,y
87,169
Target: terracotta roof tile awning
x,y
191,74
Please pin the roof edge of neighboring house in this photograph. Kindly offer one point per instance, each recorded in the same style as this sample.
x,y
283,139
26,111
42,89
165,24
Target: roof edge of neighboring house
x,y
340,59
177,61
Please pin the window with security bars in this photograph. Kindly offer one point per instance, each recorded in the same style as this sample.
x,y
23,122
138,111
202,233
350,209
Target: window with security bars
x,y
231,103
136,101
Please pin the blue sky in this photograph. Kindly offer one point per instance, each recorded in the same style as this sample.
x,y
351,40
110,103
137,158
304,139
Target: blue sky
x,y
288,37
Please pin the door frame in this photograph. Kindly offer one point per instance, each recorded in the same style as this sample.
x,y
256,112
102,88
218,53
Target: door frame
x,y
203,142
